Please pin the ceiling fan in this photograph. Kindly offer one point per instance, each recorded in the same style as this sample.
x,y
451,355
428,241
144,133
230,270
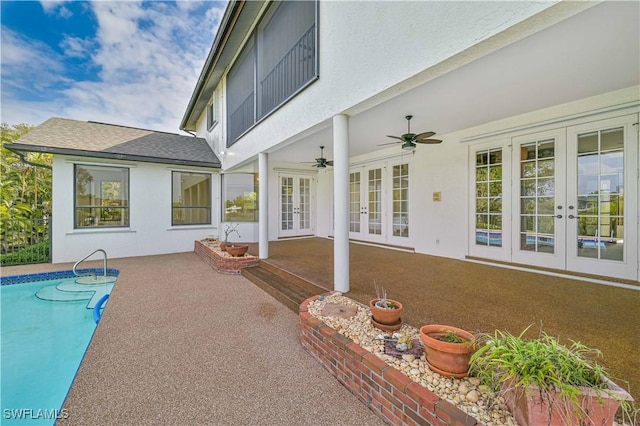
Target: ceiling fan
x,y
321,162
409,140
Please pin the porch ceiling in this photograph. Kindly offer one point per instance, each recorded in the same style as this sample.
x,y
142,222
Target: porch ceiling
x,y
594,52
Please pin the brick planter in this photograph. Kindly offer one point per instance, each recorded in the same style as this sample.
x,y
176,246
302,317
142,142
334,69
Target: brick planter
x,y
223,262
384,389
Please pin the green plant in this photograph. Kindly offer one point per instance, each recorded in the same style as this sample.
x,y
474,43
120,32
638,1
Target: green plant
x,y
450,336
381,295
543,362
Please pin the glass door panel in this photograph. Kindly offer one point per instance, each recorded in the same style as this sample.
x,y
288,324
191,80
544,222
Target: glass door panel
x,y
600,207
374,196
304,205
539,227
400,213
603,197
286,203
355,210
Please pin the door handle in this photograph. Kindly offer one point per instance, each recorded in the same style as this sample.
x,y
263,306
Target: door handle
x,y
559,216
571,216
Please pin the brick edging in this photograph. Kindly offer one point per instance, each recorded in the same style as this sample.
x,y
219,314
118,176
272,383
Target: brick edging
x,y
225,265
384,389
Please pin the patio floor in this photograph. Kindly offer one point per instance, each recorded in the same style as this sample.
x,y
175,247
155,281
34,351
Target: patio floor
x,y
483,298
180,344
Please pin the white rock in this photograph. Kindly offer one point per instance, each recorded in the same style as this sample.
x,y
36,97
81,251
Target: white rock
x,y
473,396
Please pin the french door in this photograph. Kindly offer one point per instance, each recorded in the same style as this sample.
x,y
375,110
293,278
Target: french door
x,y
379,203
574,195
295,205
366,195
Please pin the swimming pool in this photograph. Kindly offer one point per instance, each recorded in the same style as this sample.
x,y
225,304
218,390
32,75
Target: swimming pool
x,y
47,324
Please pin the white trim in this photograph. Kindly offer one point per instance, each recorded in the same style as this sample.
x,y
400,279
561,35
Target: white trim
x,y
100,163
563,121
295,171
101,231
191,227
558,275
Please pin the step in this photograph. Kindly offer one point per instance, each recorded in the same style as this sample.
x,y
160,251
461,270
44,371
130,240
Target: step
x,y
295,279
283,290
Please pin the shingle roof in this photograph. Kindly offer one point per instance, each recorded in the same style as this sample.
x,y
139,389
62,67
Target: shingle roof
x,y
91,139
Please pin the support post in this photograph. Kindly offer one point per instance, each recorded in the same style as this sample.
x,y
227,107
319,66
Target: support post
x,y
341,202
263,206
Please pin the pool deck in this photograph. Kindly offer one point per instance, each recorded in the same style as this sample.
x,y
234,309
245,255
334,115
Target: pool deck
x,y
181,344
164,354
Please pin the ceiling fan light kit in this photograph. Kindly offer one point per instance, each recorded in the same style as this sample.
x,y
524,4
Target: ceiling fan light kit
x,y
322,163
409,140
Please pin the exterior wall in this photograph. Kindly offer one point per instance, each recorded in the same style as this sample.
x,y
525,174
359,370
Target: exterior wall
x,y
442,228
150,231
357,64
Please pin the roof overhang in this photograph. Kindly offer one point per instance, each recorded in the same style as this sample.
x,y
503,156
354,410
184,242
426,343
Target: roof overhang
x,y
17,147
238,19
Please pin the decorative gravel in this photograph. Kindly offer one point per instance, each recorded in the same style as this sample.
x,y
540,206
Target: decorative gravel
x,y
467,393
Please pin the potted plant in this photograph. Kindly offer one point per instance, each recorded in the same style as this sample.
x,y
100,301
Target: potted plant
x,y
546,383
229,228
237,250
447,349
386,314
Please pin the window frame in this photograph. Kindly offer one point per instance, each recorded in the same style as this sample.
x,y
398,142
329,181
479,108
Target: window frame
x,y
209,207
256,189
211,115
126,209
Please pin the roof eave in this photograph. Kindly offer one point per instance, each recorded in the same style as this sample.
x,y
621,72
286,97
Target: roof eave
x,y
111,155
226,26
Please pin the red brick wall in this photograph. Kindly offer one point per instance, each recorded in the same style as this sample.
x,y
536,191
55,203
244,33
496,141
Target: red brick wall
x,y
225,265
384,389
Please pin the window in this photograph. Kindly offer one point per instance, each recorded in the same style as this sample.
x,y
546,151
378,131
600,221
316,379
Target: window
x,y
191,198
489,197
401,200
211,115
240,197
101,196
279,60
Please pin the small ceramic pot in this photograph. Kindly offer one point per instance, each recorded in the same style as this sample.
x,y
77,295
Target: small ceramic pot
x,y
237,250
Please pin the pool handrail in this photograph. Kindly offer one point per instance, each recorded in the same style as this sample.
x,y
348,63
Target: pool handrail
x,y
104,255
96,309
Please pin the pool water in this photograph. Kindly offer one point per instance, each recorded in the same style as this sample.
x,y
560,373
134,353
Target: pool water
x,y
46,329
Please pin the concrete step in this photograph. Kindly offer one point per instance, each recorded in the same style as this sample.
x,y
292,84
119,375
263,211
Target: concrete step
x,y
281,286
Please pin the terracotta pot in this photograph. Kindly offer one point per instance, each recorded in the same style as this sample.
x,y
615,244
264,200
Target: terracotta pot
x,y
446,358
223,246
386,316
531,407
237,250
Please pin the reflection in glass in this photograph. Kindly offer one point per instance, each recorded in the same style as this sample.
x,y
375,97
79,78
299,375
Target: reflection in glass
x,y
537,201
600,184
489,198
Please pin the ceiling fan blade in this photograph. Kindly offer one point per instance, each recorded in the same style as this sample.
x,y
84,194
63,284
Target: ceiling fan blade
x,y
428,141
390,143
395,137
424,135
329,163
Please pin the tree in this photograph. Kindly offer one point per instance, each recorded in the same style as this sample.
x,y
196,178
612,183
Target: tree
x,y
25,193
25,190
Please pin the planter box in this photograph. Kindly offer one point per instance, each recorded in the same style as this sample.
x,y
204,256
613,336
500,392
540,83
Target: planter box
x,y
530,407
224,262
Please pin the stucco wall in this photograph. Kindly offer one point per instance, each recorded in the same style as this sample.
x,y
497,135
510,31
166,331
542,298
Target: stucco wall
x,y
150,231
357,63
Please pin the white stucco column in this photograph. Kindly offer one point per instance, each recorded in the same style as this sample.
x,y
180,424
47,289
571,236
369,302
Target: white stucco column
x,y
263,203
341,202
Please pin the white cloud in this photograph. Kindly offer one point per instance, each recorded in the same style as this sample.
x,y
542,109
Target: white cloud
x,y
148,56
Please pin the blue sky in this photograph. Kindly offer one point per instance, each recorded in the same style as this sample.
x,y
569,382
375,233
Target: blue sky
x,y
123,62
